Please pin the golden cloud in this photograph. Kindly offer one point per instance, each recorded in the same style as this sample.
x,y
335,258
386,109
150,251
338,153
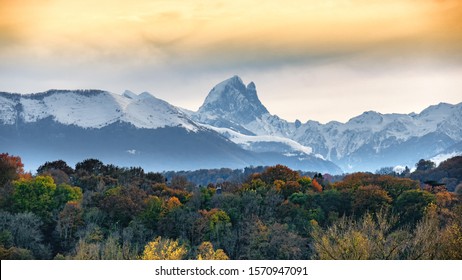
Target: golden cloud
x,y
233,28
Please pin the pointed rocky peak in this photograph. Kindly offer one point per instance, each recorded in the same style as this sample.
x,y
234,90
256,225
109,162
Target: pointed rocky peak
x,y
251,86
234,101
235,81
251,92
297,123
228,88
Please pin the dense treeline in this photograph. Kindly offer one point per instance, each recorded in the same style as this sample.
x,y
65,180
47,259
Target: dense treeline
x,y
99,211
203,177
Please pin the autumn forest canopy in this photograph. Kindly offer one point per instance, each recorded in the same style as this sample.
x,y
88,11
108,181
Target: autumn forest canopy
x,y
101,211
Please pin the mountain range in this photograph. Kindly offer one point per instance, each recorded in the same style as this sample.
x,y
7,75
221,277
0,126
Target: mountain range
x,y
231,129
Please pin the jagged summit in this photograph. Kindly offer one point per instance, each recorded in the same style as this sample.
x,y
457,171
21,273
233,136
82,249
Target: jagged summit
x,y
232,100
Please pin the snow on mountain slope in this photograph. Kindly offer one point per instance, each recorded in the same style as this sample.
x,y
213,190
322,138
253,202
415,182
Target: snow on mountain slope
x,y
95,109
271,150
269,124
380,130
452,151
249,141
443,118
336,140
146,111
442,157
7,109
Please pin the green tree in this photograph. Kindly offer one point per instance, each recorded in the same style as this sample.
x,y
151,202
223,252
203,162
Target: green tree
x,y
334,203
411,205
152,212
55,165
90,166
305,183
424,165
34,195
65,193
218,226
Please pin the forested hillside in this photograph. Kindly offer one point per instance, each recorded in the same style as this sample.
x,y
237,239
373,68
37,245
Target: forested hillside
x,y
101,211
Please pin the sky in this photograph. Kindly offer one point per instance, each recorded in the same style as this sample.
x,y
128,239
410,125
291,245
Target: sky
x,y
310,59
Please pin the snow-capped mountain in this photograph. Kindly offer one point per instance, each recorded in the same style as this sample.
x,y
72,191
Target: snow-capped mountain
x,y
231,129
235,111
93,109
372,139
128,129
364,143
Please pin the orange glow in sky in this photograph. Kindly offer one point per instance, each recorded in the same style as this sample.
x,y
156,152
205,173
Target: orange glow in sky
x,y
208,39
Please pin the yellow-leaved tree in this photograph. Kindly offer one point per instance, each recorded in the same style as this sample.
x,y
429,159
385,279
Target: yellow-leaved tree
x,y
164,249
207,252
